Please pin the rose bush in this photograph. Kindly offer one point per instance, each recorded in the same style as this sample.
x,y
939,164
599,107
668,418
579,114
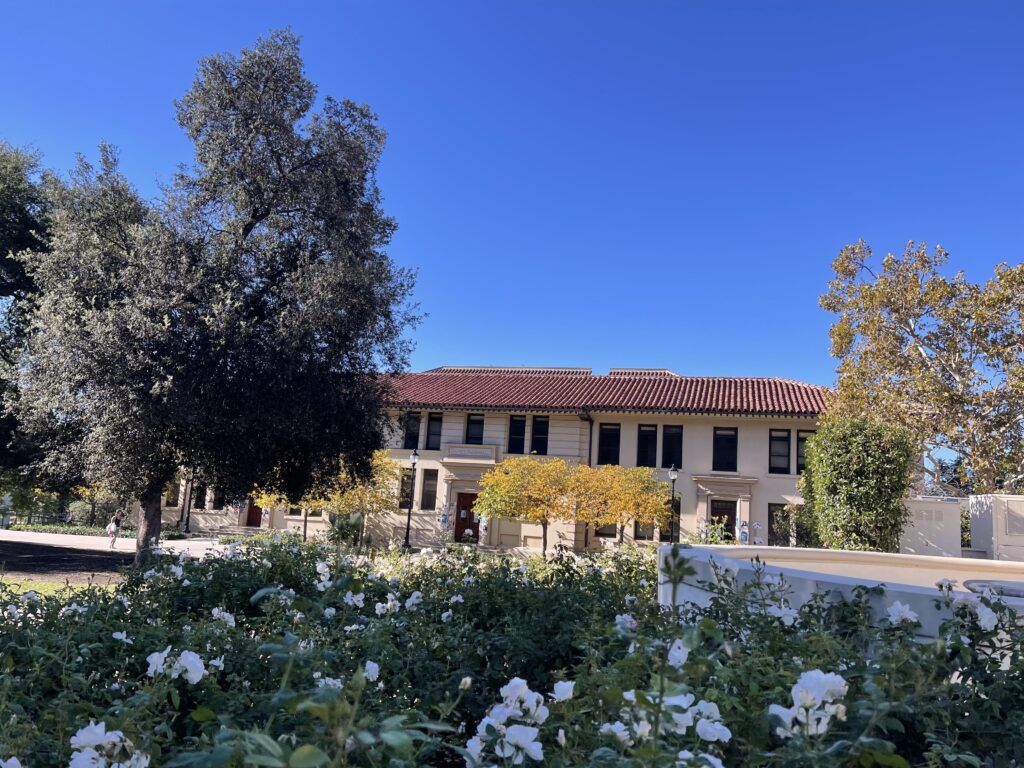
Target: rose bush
x,y
278,653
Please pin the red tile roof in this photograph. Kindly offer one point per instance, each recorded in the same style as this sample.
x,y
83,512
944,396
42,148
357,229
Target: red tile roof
x,y
623,389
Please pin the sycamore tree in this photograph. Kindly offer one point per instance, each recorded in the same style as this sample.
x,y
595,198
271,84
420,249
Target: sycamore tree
x,y
238,324
937,354
527,488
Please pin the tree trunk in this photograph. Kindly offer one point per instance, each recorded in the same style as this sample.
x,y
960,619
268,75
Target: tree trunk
x,y
92,511
622,534
149,525
544,539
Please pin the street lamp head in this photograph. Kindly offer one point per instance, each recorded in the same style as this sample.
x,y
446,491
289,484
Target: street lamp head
x,y
414,458
673,474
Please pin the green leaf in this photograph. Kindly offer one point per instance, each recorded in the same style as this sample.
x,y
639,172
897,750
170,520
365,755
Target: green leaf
x,y
203,714
308,756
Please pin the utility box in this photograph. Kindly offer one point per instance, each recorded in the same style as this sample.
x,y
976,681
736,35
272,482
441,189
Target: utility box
x,y
997,526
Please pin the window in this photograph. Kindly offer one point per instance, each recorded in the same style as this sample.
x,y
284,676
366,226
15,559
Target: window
x,y
723,512
672,446
801,449
723,457
199,497
218,499
475,429
516,434
666,533
778,451
607,531
408,486
412,430
643,532
779,526
434,421
171,494
647,445
608,444
428,496
539,436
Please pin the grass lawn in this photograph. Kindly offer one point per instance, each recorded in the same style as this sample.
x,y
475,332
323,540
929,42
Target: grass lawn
x,y
21,583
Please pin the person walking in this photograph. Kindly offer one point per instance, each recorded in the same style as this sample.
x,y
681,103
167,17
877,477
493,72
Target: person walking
x,y
114,527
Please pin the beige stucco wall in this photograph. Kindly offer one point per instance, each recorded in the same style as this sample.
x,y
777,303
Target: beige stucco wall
x,y
572,438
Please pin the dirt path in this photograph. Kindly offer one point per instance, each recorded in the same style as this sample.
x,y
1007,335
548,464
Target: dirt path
x,y
22,560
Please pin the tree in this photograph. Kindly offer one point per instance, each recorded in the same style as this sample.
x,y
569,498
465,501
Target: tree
x,y
237,326
941,356
23,226
858,473
631,494
527,488
350,499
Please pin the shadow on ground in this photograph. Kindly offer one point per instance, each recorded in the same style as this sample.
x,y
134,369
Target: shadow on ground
x,y
42,561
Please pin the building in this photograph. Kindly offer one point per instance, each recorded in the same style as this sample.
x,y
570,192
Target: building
x,y
737,443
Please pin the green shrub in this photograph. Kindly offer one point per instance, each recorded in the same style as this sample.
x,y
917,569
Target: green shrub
x,y
280,653
65,528
858,474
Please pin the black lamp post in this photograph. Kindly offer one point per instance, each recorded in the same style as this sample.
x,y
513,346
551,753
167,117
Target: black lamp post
x,y
412,492
673,475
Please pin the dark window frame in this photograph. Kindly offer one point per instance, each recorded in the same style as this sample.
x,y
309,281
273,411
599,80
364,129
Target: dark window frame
x,y
665,534
427,474
777,437
603,532
474,420
520,438
535,441
408,444
642,532
802,436
432,419
601,431
407,488
652,430
718,463
668,461
773,532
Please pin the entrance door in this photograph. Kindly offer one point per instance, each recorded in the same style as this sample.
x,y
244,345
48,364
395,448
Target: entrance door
x,y
467,525
724,511
253,514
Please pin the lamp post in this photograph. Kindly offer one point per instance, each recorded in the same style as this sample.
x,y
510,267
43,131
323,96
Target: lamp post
x,y
673,475
412,492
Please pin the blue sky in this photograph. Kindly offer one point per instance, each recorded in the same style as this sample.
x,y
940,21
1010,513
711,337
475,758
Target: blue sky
x,y
602,184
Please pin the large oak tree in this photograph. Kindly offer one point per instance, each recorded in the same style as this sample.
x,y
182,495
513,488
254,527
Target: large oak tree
x,y
238,325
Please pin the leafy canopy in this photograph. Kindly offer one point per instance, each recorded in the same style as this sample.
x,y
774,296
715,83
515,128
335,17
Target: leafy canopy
x,y
939,355
858,473
236,326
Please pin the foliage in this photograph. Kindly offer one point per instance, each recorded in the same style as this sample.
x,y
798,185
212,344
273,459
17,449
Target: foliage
x,y
63,528
858,473
544,490
349,499
23,226
254,297
277,653
941,356
528,488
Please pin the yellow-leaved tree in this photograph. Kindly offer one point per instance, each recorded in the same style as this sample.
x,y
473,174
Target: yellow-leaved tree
x,y
625,495
544,490
349,500
526,488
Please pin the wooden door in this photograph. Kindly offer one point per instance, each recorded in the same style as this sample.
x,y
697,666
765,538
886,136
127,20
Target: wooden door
x,y
253,515
724,511
467,524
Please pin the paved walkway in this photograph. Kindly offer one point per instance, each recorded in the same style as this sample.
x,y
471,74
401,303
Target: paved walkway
x,y
124,544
